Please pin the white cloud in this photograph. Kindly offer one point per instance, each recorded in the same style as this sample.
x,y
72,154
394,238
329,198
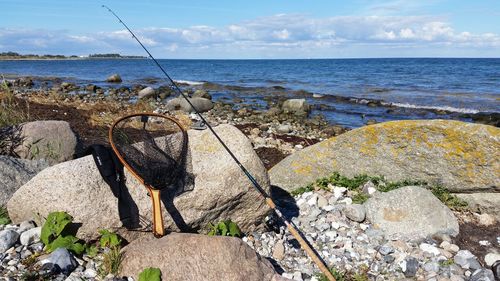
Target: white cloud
x,y
278,36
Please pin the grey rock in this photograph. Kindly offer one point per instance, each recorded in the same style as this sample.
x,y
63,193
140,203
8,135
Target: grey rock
x,y
482,274
296,105
284,129
486,203
460,156
50,140
410,212
385,250
201,104
411,267
181,256
355,212
146,93
30,236
15,172
63,259
389,259
463,258
201,94
114,78
431,267
8,238
496,269
221,191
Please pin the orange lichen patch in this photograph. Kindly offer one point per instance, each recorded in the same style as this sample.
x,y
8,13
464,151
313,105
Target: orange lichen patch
x,y
394,215
301,168
371,138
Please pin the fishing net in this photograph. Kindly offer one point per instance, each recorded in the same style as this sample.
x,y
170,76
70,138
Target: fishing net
x,y
155,149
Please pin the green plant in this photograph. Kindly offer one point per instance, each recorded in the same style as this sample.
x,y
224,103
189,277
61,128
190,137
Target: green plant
x,y
447,262
224,228
4,216
339,276
150,274
450,200
53,233
355,184
111,261
10,111
109,239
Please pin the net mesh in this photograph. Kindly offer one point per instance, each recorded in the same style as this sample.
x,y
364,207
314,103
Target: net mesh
x,y
155,148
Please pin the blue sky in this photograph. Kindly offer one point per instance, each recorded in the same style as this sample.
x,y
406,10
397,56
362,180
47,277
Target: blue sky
x,y
255,29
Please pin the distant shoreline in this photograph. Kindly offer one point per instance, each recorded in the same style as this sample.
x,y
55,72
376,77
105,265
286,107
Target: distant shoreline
x,y
67,58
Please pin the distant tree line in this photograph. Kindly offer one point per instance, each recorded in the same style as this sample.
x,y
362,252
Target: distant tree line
x,y
112,56
14,55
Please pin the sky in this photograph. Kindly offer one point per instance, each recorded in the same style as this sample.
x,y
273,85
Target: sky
x,y
257,29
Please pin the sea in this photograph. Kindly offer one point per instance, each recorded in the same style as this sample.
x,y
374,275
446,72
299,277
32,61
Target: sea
x,y
348,92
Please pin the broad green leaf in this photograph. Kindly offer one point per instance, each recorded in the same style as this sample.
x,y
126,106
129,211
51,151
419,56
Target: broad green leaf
x,y
223,228
54,225
69,242
91,250
150,274
234,230
109,238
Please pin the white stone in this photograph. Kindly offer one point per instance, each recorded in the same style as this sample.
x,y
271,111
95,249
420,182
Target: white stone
x,y
30,236
428,248
338,191
491,258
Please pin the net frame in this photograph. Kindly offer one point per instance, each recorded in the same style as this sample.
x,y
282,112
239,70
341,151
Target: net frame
x,y
158,226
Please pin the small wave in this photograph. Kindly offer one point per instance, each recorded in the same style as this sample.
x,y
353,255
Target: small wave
x,y
191,83
446,108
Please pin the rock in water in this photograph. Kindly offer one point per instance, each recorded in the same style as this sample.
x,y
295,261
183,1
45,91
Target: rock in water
x,y
182,256
14,173
147,93
201,104
461,156
115,78
51,140
410,212
221,191
296,105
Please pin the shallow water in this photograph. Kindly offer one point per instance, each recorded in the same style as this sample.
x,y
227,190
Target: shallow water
x,y
406,88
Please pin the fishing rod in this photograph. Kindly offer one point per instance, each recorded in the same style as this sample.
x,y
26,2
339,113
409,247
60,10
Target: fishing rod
x,y
290,225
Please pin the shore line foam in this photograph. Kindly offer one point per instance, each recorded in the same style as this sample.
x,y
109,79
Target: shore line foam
x,y
446,108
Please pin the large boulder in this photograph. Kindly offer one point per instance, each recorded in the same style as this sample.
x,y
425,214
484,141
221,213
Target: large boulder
x,y
182,256
201,104
461,156
410,212
221,190
14,173
51,140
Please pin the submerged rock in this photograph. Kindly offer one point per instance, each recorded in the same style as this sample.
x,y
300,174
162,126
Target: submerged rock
x,y
115,78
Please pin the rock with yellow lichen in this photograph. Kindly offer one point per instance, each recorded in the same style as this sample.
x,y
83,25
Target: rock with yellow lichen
x,y
463,157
